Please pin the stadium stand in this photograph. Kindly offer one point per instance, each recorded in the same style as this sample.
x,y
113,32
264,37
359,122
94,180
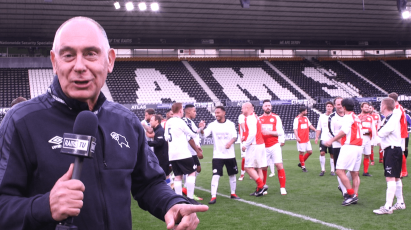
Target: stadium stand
x,y
243,80
14,82
381,75
402,66
315,82
344,75
40,80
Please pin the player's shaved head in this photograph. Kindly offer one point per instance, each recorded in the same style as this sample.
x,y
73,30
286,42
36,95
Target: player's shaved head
x,y
247,108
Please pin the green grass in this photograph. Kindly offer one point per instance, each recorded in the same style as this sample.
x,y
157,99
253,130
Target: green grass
x,y
308,194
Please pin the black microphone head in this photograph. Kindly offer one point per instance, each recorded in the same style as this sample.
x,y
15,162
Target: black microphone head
x,y
86,123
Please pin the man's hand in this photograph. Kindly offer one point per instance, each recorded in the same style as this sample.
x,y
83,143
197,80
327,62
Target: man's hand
x,y
201,124
265,132
184,215
228,145
66,197
282,144
199,152
243,148
327,143
316,140
298,139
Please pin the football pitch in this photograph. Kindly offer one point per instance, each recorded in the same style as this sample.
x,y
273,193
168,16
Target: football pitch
x,y
312,202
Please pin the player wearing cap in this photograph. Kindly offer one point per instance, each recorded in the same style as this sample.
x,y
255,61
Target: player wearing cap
x,y
302,128
369,133
350,154
390,134
273,134
322,128
224,136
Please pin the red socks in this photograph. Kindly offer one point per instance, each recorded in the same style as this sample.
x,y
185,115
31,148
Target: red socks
x,y
372,155
281,177
350,192
260,183
366,164
306,156
404,166
265,176
242,164
381,154
185,191
301,160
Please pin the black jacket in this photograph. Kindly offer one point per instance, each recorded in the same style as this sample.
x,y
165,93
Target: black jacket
x,y
159,144
31,163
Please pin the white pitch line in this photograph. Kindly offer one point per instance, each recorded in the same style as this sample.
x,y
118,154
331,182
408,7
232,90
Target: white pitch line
x,y
281,211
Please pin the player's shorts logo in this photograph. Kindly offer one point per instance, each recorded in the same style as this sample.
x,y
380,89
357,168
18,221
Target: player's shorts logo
x,y
121,140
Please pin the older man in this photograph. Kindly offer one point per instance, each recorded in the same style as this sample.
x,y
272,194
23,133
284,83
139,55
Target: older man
x,y
36,190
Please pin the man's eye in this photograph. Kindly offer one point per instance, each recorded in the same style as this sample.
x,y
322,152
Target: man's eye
x,y
91,54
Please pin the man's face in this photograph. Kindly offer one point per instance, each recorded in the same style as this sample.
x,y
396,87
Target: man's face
x,y
338,106
147,116
329,108
382,108
365,108
82,60
244,110
370,109
304,113
267,107
169,115
153,122
219,115
191,113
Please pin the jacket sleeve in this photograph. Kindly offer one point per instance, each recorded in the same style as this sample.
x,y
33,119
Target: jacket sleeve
x,y
17,209
148,180
158,139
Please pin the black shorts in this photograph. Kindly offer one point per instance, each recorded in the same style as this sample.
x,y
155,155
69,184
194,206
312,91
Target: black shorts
x,y
336,153
325,149
164,164
230,164
183,166
406,147
392,162
196,160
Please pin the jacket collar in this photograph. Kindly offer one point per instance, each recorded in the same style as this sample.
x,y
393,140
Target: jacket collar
x,y
58,95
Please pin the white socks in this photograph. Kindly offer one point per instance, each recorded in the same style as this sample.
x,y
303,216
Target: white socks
x,y
344,190
190,183
322,162
332,165
391,187
398,192
233,183
178,187
214,185
272,168
242,172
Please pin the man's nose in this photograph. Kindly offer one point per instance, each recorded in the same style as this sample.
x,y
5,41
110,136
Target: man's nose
x,y
79,64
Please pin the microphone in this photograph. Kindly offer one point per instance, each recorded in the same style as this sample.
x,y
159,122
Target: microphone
x,y
81,144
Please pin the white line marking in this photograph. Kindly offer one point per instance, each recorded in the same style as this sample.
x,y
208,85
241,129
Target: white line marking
x,y
282,211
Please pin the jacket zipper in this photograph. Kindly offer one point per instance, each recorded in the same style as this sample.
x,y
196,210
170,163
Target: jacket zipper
x,y
99,182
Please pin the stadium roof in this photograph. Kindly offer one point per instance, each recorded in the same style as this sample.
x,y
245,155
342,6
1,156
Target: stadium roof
x,y
325,20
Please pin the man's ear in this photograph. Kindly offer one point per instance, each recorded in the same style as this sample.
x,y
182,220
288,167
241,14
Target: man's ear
x,y
111,60
53,61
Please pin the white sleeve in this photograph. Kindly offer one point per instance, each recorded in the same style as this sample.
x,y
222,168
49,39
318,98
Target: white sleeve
x,y
320,122
233,131
309,123
252,131
279,127
241,119
346,124
373,130
166,134
208,130
295,124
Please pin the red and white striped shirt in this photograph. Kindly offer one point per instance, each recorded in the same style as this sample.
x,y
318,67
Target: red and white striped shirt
x,y
253,131
351,126
271,122
367,124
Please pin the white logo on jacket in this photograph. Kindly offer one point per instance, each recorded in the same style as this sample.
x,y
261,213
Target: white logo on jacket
x,y
121,140
56,140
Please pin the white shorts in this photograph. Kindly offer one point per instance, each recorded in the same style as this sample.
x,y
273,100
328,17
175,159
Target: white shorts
x,y
350,158
304,147
366,144
255,157
403,144
241,149
274,154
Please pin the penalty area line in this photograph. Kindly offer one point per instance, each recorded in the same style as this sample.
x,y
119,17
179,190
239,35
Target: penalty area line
x,y
282,211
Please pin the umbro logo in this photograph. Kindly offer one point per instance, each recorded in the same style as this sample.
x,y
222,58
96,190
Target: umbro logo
x,y
56,140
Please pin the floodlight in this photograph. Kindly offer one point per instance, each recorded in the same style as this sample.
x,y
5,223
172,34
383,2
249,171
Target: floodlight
x,y
117,5
129,6
405,14
154,6
142,6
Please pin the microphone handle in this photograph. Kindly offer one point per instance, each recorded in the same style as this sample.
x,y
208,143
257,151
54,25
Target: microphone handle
x,y
78,166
